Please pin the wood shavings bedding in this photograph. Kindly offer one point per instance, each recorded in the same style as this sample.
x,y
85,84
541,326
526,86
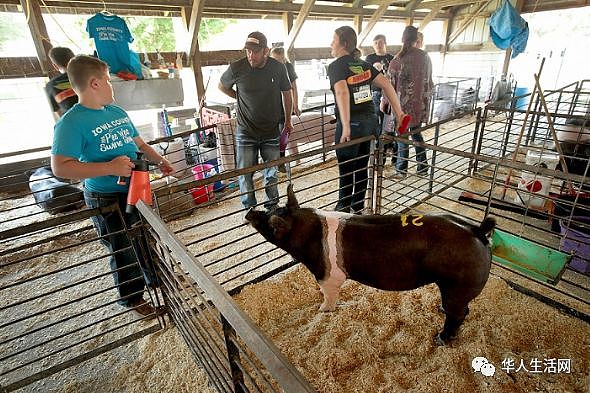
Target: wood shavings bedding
x,y
379,341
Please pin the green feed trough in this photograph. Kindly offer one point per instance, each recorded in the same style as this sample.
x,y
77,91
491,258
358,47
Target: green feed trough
x,y
537,261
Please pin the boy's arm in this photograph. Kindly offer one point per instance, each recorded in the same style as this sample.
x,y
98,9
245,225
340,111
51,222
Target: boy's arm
x,y
71,168
153,156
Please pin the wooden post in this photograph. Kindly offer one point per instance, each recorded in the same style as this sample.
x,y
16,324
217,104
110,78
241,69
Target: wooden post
x,y
445,46
288,25
287,22
194,53
36,24
358,23
294,32
185,13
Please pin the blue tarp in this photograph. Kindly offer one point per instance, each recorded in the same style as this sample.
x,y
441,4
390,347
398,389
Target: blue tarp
x,y
509,29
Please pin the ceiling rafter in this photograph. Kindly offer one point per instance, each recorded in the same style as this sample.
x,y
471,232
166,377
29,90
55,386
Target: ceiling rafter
x,y
468,21
373,21
303,13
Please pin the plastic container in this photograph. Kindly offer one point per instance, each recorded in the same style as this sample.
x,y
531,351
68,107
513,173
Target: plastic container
x,y
533,188
174,152
523,102
204,193
218,185
576,238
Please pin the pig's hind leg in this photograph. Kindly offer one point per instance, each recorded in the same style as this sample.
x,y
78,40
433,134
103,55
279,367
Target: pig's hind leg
x,y
455,302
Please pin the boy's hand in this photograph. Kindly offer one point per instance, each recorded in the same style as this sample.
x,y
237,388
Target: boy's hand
x,y
165,167
121,166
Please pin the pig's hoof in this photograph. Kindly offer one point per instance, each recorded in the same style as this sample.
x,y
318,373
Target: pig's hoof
x,y
441,309
439,341
325,308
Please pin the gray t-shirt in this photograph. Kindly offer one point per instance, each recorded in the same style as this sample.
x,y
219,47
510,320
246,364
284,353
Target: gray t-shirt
x,y
258,95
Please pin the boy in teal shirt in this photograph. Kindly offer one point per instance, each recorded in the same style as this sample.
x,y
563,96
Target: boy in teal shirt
x,y
96,141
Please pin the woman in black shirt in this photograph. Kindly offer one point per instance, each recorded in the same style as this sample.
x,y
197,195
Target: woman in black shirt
x,y
350,81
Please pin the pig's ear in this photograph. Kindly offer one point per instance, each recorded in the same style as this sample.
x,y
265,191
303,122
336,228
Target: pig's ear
x,y
291,200
279,226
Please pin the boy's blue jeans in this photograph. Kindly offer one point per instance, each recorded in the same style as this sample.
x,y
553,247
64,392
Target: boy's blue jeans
x,y
247,149
125,266
352,163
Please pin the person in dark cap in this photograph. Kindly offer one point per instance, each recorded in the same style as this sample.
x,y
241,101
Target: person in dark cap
x,y
260,85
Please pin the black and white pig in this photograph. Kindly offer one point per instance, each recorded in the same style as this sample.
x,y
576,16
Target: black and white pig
x,y
389,252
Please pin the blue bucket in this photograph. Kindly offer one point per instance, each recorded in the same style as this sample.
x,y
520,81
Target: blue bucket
x,y
218,185
522,103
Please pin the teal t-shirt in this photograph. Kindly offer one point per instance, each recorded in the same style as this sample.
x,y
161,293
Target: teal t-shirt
x,y
96,135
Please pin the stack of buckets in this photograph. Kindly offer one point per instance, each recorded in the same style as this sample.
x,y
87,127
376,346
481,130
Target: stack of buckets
x,y
204,193
533,189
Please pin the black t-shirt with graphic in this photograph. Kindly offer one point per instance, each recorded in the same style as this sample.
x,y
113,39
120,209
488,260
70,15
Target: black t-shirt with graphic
x,y
258,95
358,75
375,58
61,95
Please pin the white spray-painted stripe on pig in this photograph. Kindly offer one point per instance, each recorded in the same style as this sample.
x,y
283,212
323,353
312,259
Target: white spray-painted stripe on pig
x,y
330,286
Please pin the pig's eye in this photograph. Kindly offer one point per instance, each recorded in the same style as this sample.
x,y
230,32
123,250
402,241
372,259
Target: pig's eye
x,y
281,212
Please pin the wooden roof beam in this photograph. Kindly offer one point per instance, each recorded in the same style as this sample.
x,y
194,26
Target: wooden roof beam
x,y
196,12
39,34
303,13
376,17
412,5
428,18
468,21
221,6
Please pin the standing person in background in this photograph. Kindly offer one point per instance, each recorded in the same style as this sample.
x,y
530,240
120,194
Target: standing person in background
x,y
259,82
278,53
380,60
411,75
96,141
59,90
420,41
350,80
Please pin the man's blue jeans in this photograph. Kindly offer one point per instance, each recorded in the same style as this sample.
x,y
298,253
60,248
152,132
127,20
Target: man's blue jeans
x,y
124,263
247,149
377,104
403,154
352,163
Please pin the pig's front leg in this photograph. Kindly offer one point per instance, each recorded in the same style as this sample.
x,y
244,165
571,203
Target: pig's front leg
x,y
330,288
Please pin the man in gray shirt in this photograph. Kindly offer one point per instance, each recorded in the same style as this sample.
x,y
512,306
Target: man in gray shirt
x,y
259,82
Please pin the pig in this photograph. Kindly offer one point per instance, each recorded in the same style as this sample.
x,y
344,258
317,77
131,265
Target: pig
x,y
389,252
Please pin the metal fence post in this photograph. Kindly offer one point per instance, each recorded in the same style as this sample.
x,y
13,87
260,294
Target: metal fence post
x,y
435,142
233,356
480,138
476,132
378,175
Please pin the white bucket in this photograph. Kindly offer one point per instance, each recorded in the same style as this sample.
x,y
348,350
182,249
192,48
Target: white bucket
x,y
173,151
534,187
